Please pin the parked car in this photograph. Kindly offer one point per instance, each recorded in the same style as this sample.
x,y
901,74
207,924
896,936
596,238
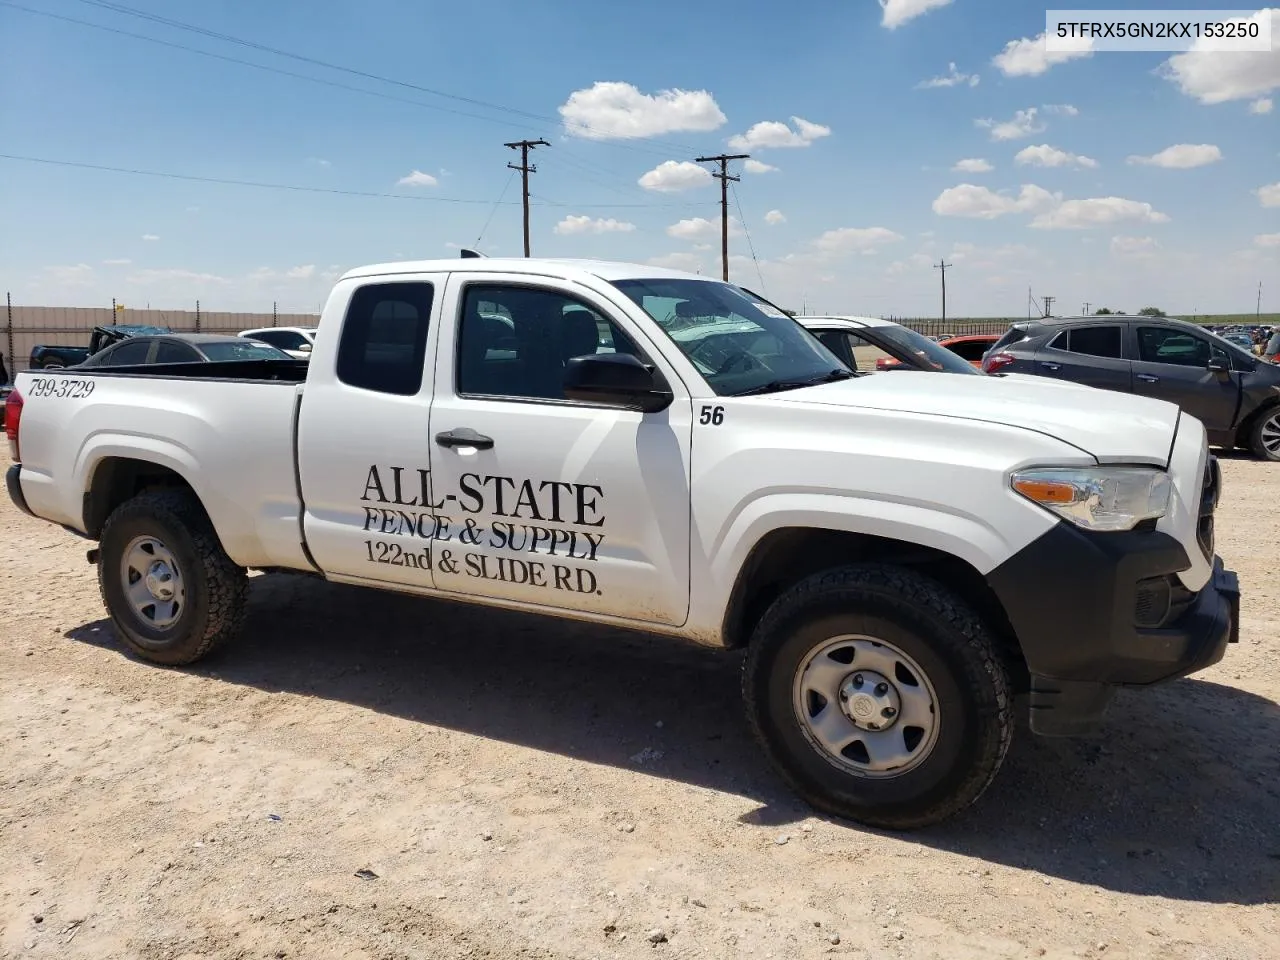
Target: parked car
x,y
1241,340
898,555
297,342
968,347
182,348
52,357
1233,393
869,344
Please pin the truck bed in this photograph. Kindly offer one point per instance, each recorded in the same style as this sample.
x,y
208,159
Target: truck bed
x,y
227,428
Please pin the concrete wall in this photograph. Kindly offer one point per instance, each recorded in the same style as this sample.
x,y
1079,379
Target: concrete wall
x,y
21,328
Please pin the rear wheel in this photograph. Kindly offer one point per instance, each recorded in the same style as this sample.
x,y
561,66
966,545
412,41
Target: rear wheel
x,y
171,590
1264,437
878,696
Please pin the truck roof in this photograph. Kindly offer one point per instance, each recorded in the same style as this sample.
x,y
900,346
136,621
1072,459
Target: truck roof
x,y
608,270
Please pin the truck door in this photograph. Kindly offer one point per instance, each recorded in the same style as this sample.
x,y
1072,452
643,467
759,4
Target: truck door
x,y
553,502
363,448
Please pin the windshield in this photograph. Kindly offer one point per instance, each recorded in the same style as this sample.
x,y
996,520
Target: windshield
x,y
241,350
739,343
926,351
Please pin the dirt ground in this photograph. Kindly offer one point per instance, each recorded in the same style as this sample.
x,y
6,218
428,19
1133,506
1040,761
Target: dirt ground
x,y
527,788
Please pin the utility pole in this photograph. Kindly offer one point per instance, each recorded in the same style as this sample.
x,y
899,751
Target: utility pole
x,y
1048,305
942,264
524,146
724,178
1257,313
1086,307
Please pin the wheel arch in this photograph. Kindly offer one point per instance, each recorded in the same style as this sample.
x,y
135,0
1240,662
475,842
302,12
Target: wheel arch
x,y
115,479
1244,432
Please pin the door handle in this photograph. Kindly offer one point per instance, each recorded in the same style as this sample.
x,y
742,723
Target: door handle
x,y
464,437
1147,378
1051,366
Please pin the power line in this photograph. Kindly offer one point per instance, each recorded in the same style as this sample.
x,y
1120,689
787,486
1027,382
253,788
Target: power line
x,y
724,177
750,246
225,181
494,209
315,61
525,168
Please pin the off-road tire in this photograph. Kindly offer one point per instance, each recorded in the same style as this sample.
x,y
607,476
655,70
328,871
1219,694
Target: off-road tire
x,y
925,620
216,588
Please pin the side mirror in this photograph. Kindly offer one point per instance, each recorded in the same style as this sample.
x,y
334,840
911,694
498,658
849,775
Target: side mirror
x,y
304,348
1219,366
616,378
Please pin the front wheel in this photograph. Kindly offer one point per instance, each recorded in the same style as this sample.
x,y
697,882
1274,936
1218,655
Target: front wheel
x,y
879,696
1264,438
171,590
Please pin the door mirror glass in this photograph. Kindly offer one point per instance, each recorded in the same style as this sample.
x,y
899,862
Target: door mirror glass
x,y
304,347
1219,365
615,378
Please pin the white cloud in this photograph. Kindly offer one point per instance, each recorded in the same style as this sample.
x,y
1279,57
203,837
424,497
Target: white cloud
x,y
1269,196
193,209
689,262
150,236
773,134
575,225
319,162
271,275
981,203
952,78
301,273
122,262
1137,248
611,110
1097,212
1030,57
1212,75
1066,109
757,166
775,217
146,278
1181,156
972,165
73,275
917,261
418,179
700,228
898,12
1267,240
672,176
1044,155
1024,124
1261,106
855,240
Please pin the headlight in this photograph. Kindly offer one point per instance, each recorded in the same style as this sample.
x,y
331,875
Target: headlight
x,y
1098,498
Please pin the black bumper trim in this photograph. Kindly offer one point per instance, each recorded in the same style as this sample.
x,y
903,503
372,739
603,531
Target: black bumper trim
x,y
1071,597
14,484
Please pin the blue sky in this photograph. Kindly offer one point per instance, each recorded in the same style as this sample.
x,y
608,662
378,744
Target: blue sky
x,y
1123,179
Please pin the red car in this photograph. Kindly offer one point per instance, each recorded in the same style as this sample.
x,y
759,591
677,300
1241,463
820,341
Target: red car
x,y
967,346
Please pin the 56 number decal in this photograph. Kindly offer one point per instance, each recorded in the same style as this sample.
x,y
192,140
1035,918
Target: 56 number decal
x,y
713,416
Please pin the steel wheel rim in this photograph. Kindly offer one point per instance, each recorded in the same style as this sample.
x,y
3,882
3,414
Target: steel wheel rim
x,y
838,699
153,583
1271,434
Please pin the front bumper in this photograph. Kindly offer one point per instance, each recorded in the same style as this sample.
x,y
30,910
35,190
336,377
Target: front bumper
x,y
1096,611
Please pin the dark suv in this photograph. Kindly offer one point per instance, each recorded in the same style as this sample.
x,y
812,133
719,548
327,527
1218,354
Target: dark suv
x,y
1234,394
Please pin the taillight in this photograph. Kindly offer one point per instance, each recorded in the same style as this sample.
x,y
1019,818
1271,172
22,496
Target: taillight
x,y
995,362
12,416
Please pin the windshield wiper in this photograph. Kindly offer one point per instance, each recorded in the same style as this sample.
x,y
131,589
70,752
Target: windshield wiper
x,y
773,386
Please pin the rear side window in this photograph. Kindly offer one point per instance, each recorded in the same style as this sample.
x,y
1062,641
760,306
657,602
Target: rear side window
x,y
384,337
129,353
1092,341
169,352
1011,336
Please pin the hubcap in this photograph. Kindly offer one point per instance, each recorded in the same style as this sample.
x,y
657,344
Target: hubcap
x,y
866,706
1271,435
153,582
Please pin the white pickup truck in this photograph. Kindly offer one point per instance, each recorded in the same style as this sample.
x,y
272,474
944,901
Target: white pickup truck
x,y
900,556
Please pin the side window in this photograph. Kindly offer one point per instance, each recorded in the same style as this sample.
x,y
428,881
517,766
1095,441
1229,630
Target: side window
x,y
838,343
1092,341
384,337
284,339
169,352
969,349
515,341
132,352
1167,345
867,356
